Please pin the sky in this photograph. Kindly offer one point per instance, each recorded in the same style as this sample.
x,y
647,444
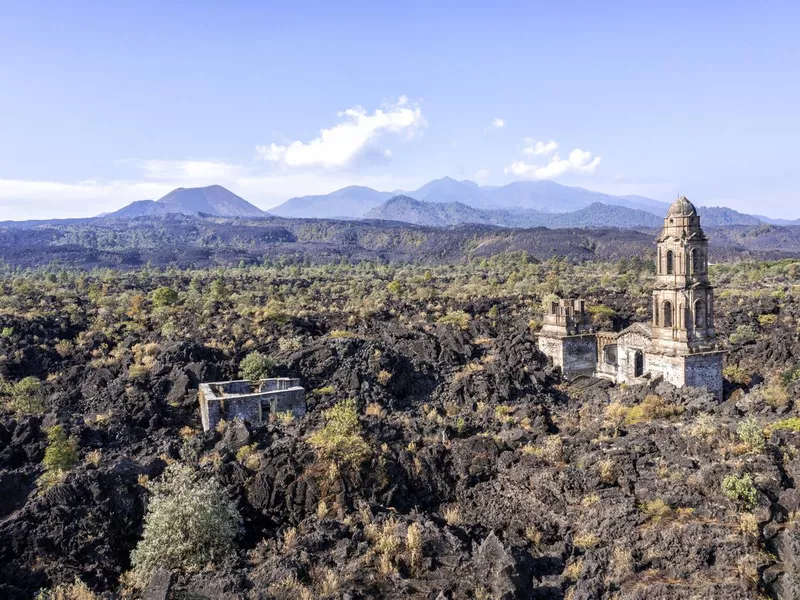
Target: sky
x,y
105,103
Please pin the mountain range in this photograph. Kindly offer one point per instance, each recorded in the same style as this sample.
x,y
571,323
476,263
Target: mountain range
x,y
443,202
542,196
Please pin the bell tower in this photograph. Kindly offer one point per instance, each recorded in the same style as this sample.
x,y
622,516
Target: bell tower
x,y
683,298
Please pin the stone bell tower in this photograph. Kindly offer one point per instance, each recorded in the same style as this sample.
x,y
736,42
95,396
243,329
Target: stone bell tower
x,y
683,298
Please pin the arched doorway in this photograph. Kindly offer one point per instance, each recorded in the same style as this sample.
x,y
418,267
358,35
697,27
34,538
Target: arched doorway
x,y
638,363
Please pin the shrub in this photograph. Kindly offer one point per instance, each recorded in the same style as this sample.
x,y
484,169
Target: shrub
x,y
394,287
455,317
737,374
26,396
789,376
652,407
656,510
340,440
744,334
7,332
62,452
751,434
740,490
164,296
190,522
775,394
256,366
792,423
767,320
68,591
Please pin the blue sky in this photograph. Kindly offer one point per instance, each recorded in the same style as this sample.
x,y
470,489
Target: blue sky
x,y
105,103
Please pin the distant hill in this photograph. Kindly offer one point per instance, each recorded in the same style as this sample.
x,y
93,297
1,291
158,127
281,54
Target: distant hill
x,y
409,210
352,202
212,200
141,208
718,216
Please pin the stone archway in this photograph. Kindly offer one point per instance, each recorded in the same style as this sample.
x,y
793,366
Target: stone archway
x,y
638,363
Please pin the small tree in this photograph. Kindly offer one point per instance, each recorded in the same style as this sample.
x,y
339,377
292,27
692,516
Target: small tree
x,y
340,440
26,396
256,366
62,451
164,296
190,522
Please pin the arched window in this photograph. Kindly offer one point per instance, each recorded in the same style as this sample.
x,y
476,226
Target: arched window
x,y
697,262
699,314
655,312
667,314
670,260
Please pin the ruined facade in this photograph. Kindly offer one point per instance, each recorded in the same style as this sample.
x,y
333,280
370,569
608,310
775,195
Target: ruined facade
x,y
248,400
678,344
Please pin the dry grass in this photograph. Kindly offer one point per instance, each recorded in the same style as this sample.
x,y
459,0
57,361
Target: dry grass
x,y
584,541
68,591
452,514
657,511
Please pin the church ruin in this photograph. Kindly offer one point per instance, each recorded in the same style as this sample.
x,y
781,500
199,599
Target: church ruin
x,y
678,344
249,400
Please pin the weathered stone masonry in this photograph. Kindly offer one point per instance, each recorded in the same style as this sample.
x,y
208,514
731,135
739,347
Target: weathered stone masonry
x,y
678,344
248,400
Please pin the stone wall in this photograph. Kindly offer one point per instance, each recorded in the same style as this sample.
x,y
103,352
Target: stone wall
x,y
671,368
705,370
579,355
552,348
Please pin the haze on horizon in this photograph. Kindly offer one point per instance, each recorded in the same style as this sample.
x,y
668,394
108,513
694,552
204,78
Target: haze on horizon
x,y
105,104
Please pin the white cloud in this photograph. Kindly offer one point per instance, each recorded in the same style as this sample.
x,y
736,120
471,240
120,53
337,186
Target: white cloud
x,y
482,174
27,199
193,170
343,143
497,123
578,161
534,148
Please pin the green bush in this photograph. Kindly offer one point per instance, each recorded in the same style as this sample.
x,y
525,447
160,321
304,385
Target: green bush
x,y
340,440
62,452
744,334
256,366
751,434
741,491
455,317
60,457
190,522
26,396
164,296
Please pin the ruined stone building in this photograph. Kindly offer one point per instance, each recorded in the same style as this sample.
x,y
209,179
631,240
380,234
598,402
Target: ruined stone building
x,y
678,344
250,401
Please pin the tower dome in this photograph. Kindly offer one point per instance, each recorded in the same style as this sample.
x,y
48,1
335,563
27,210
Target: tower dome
x,y
682,208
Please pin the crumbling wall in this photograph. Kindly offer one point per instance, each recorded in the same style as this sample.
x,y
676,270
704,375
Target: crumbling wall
x,y
552,348
672,368
292,400
705,370
580,355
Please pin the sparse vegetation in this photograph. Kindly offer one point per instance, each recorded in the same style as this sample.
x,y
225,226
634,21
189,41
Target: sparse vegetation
x,y
741,490
256,366
189,523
